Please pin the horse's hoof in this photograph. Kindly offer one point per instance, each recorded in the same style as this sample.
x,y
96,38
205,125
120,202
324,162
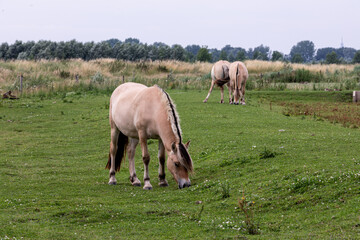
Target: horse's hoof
x,y
136,184
147,187
163,184
205,101
112,183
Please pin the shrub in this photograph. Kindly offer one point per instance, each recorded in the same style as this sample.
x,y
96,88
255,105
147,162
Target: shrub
x,y
350,84
302,75
162,68
250,85
64,74
98,78
116,66
142,66
357,69
267,154
225,190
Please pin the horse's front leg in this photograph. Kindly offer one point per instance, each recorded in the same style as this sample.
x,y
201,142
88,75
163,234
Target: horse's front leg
x,y
146,160
131,154
161,156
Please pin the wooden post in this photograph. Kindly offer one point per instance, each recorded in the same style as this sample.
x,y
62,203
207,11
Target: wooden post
x,y
21,82
356,96
77,78
123,79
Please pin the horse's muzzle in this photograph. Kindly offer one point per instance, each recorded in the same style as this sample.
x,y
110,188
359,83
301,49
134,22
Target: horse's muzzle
x,y
184,183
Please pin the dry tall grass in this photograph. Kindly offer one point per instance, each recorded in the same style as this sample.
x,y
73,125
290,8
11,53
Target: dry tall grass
x,y
46,74
258,66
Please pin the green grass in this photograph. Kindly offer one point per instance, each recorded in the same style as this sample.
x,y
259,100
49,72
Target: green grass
x,y
302,177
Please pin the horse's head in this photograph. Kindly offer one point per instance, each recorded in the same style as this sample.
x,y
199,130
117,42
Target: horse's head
x,y
179,163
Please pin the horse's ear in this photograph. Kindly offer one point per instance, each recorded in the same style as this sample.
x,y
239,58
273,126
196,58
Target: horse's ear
x,y
187,144
173,147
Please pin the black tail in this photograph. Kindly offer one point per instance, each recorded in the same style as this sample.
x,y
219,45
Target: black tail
x,y
120,153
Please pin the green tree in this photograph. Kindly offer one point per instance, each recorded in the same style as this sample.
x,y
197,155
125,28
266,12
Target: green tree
x,y
332,58
277,56
4,47
231,58
256,55
305,48
178,52
240,56
297,58
203,55
223,55
14,50
261,53
356,58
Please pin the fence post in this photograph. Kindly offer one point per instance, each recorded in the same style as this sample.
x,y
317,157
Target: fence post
x,y
356,96
77,78
123,80
21,82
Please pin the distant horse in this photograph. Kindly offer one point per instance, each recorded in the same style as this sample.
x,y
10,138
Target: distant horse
x,y
138,113
238,76
219,76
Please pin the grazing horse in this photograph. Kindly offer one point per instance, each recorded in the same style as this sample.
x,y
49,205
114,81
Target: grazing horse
x,y
138,113
238,76
219,76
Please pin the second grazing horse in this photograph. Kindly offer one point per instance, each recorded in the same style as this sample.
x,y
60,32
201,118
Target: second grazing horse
x,y
220,77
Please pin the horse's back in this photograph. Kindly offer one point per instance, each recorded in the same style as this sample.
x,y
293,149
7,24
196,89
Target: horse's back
x,y
122,106
133,105
238,68
220,72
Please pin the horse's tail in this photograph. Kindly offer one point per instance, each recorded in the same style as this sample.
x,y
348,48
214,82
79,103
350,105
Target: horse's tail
x,y
236,78
120,153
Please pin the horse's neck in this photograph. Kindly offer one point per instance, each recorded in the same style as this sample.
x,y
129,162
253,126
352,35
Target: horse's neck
x,y
166,133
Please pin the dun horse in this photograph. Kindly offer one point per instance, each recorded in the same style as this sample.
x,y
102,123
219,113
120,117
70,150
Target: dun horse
x,y
238,76
220,77
138,113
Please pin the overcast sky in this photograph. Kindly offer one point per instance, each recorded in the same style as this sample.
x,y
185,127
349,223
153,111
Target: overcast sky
x,y
279,24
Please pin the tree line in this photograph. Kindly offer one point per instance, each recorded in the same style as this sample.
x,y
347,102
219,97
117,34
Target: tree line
x,y
133,50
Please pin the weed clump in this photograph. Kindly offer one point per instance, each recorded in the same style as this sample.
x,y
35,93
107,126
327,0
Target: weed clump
x,y
247,208
266,153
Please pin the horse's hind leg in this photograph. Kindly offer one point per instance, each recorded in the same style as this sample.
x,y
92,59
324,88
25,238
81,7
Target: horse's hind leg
x,y
146,159
229,88
211,88
131,153
113,149
243,93
161,155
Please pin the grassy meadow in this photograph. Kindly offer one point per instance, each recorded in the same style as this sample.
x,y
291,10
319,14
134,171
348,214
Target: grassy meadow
x,y
285,166
261,172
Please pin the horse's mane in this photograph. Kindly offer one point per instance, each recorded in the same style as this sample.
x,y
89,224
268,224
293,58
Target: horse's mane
x,y
173,116
174,119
